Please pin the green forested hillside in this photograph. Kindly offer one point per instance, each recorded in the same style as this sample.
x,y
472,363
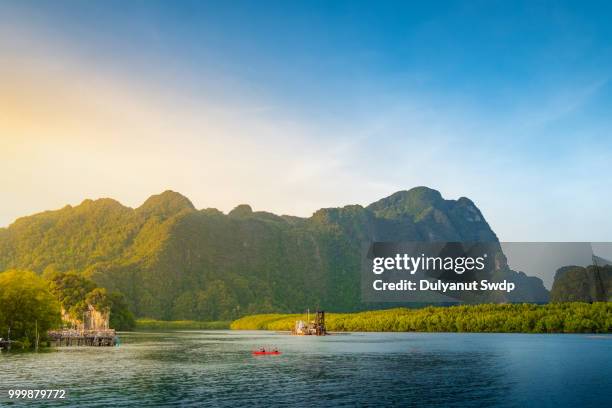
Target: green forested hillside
x,y
172,261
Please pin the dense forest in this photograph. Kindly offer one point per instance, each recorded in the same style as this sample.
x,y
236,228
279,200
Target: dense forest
x,y
30,304
27,307
504,318
75,293
172,261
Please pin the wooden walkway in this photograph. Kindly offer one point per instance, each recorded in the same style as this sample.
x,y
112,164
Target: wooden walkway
x,y
5,344
70,337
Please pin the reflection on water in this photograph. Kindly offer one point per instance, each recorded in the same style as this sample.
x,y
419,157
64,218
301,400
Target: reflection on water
x,y
216,368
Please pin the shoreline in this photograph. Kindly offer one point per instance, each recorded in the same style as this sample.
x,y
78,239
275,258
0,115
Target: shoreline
x,y
145,324
525,318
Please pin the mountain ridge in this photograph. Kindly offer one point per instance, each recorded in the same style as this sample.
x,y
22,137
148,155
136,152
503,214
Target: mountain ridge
x,y
173,261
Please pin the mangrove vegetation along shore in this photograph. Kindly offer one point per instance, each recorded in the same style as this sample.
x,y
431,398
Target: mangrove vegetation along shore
x,y
152,324
573,317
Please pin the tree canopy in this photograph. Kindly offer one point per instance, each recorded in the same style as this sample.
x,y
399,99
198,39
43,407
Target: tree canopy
x,y
26,305
75,293
172,261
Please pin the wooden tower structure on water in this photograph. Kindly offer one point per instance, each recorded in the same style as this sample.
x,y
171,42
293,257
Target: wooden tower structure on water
x,y
309,327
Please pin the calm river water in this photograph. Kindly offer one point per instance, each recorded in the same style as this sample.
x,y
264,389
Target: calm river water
x,y
216,368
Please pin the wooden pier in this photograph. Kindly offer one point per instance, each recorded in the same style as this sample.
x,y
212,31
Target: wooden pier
x,y
5,344
72,337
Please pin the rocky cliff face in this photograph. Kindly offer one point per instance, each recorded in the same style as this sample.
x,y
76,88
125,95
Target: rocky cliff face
x,y
431,218
580,284
173,261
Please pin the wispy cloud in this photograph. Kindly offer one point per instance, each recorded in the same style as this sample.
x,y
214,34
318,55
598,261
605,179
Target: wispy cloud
x,y
355,114
559,102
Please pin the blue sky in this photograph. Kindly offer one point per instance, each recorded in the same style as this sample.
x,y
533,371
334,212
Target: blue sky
x,y
292,106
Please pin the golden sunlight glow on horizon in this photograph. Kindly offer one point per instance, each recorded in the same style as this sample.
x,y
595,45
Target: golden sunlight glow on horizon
x,y
73,135
127,102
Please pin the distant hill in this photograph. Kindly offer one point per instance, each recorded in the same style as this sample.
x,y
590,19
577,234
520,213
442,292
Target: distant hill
x,y
580,284
173,261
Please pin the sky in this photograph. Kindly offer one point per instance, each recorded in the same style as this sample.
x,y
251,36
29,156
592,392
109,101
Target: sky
x,y
293,106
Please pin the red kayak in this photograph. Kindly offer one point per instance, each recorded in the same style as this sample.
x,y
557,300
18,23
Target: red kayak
x,y
266,353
